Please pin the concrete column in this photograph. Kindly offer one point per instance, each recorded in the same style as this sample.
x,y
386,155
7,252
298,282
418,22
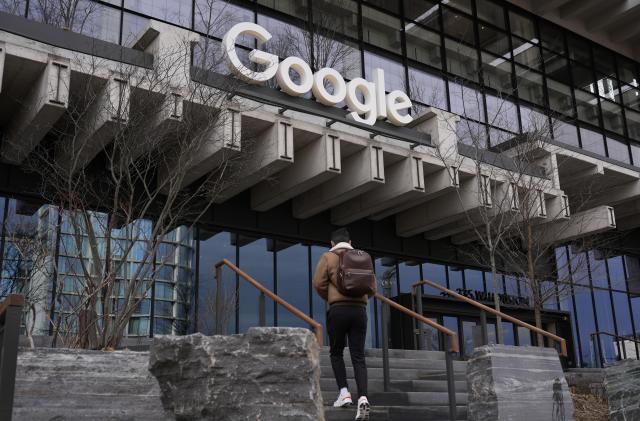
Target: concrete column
x,y
441,125
361,172
316,163
404,182
270,152
108,112
41,109
220,142
444,210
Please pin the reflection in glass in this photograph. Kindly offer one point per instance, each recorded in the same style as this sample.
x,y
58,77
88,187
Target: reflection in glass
x,y
579,49
592,141
618,150
466,102
422,11
586,324
257,262
604,312
612,117
293,282
630,96
461,60
587,105
534,121
552,36
319,305
473,280
297,8
556,67
635,154
524,336
627,71
132,26
502,113
380,29
457,25
559,97
427,88
436,273
497,73
423,45
490,12
472,133
455,278
494,41
508,334
174,11
336,16
409,273
467,340
393,71
527,53
522,26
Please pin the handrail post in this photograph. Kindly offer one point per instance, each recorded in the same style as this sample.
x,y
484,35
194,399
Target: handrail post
x,y
262,310
483,328
417,325
9,340
451,380
386,285
218,312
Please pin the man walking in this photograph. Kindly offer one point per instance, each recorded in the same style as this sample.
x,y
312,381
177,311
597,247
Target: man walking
x,y
347,314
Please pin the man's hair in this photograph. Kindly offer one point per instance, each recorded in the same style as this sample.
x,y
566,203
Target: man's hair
x,y
340,235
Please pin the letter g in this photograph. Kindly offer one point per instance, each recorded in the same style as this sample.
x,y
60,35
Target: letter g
x,y
256,56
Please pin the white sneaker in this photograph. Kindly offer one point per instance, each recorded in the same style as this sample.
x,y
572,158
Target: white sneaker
x,y
344,399
363,408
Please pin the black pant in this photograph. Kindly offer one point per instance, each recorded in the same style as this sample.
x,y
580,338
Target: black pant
x,y
348,321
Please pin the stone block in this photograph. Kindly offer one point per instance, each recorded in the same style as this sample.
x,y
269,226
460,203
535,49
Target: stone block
x,y
265,374
517,383
622,386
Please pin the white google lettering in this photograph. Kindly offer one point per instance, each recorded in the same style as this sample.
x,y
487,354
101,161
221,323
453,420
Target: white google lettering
x,y
367,101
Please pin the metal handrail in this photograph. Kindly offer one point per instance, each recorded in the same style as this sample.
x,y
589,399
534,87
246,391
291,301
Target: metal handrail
x,y
621,352
317,327
454,344
561,341
10,315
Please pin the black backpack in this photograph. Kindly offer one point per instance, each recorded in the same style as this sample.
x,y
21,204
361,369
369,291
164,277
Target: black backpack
x,y
355,273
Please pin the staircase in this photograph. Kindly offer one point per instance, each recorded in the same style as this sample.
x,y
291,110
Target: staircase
x,y
418,387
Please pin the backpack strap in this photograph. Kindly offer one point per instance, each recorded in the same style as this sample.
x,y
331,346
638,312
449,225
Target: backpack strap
x,y
338,252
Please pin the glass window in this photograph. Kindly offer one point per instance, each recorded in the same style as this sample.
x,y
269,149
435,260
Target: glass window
x,y
608,88
391,6
132,26
488,276
586,324
320,307
524,336
556,66
99,21
552,36
14,7
635,154
336,16
560,97
502,113
461,60
499,136
582,77
627,71
393,71
530,85
592,141
464,5
343,56
422,11
162,326
455,278
496,73
256,261
427,88
508,333
618,150
633,125
587,105
616,273
612,117
163,308
494,41
216,17
293,282
466,102
598,270
472,133
174,11
409,274
434,272
534,122
473,280
381,29
423,45
490,12
630,96
603,60
297,8
457,25
604,313
522,26
578,49
623,316
527,53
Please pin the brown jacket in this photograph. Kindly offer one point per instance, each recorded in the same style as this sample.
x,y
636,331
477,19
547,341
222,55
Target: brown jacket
x,y
326,277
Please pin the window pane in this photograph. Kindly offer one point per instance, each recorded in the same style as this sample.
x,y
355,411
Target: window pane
x,y
337,16
560,97
466,101
612,117
608,88
502,113
102,22
603,60
319,305
582,77
604,312
633,125
423,45
578,49
522,26
635,154
174,11
461,60
472,134
592,141
616,273
530,85
587,107
534,121
427,88
552,37
132,26
217,17
618,150
496,73
436,273
409,273
287,40
293,283
391,6
393,71
494,41
423,11
257,261
464,5
527,53
381,29
556,66
586,324
630,96
490,12
565,133
457,25
455,278
627,70
623,317
14,7
297,8
473,279
499,136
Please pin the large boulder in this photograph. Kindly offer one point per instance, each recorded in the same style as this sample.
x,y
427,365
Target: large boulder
x,y
266,374
517,384
622,386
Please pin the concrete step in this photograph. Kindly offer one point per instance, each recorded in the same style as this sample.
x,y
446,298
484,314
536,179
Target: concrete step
x,y
377,385
400,374
404,398
414,363
395,353
398,413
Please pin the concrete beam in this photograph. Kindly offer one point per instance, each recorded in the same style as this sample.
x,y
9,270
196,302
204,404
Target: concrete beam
x,y
405,182
618,195
220,142
624,10
436,184
444,210
361,172
589,222
270,152
596,170
41,109
582,8
106,114
543,7
316,163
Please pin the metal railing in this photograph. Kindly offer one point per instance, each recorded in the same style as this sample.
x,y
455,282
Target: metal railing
x,y
620,345
417,292
10,315
451,345
317,327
